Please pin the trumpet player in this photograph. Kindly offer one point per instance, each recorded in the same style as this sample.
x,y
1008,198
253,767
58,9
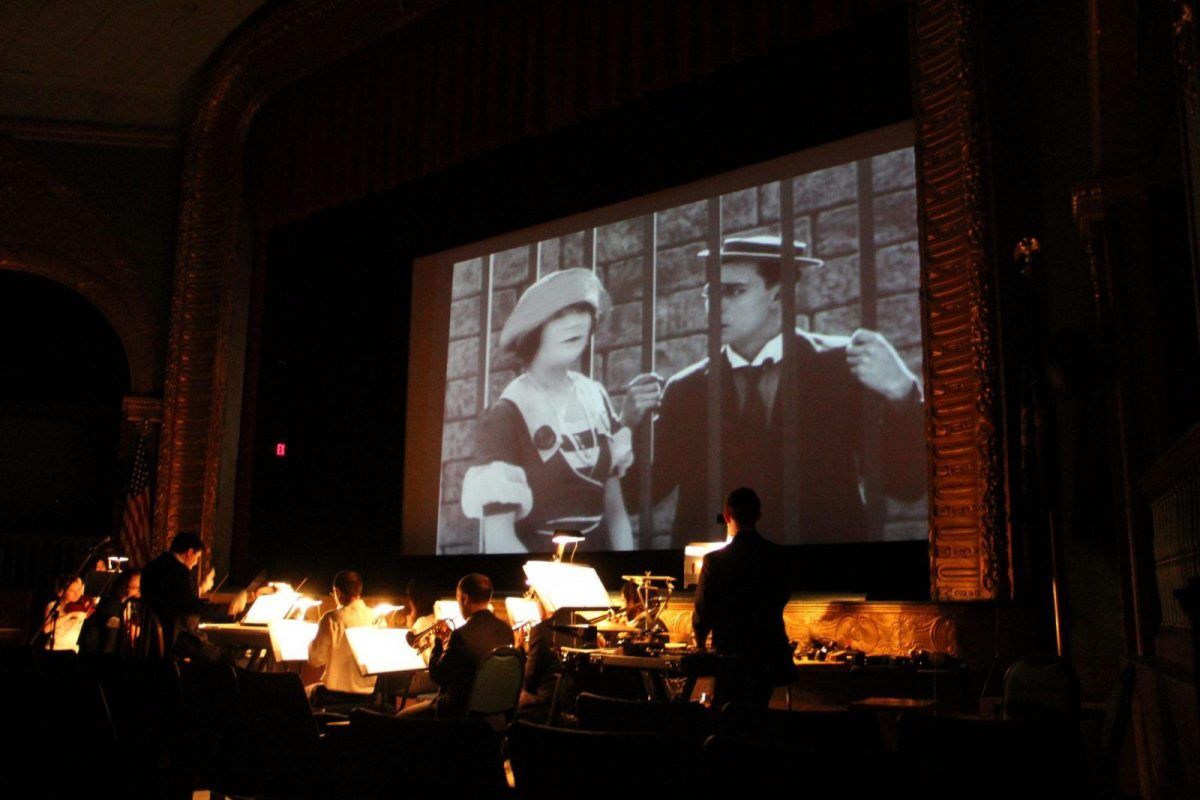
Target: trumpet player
x,y
541,669
419,598
457,653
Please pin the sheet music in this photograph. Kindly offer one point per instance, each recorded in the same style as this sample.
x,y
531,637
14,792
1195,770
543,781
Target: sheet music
x,y
566,585
522,611
268,607
290,638
448,609
382,650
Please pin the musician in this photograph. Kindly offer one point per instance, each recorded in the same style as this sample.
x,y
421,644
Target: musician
x,y
341,684
168,590
457,654
739,599
542,668
419,598
63,617
102,630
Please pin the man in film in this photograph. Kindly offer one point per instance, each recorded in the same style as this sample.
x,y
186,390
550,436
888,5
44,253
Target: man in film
x,y
843,387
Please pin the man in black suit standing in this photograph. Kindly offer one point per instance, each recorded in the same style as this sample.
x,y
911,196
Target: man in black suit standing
x,y
842,387
457,654
168,590
740,599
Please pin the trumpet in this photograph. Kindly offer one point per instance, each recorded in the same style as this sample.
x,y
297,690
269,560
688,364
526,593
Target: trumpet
x,y
423,640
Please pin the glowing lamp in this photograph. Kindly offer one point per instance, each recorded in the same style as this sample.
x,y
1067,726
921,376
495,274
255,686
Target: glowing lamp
x,y
562,538
693,559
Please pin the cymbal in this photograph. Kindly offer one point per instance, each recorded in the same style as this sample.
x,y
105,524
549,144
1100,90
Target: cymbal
x,y
649,578
615,627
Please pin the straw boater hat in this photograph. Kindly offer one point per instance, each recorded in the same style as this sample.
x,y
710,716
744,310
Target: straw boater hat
x,y
762,248
547,296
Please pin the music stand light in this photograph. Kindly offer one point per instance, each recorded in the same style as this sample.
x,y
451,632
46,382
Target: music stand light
x,y
383,610
693,559
302,605
562,538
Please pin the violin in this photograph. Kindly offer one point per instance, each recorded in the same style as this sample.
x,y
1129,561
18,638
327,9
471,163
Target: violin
x,y
84,605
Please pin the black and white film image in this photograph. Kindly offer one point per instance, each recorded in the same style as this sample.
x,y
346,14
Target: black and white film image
x,y
619,380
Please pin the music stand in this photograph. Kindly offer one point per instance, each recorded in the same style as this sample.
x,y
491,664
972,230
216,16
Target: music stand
x,y
567,586
274,606
522,612
290,639
96,582
449,610
383,652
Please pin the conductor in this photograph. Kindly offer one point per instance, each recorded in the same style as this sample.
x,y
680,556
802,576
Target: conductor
x,y
739,599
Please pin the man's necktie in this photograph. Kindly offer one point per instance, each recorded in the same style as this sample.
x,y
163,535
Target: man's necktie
x,y
754,410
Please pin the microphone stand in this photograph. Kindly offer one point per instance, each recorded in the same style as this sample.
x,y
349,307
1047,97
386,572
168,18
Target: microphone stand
x,y
52,614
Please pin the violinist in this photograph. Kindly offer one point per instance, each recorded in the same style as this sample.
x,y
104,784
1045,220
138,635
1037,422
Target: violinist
x,y
63,617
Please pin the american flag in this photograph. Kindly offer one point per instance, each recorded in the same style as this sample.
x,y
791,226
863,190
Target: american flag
x,y
137,519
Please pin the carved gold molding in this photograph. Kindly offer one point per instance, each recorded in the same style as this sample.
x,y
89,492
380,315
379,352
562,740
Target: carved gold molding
x,y
886,629
968,542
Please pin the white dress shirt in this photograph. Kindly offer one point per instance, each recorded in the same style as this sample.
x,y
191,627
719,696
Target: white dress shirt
x,y
331,650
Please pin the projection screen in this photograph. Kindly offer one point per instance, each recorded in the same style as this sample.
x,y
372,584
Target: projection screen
x,y
618,372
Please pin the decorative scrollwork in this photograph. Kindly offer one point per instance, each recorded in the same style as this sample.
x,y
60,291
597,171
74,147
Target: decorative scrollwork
x,y
968,549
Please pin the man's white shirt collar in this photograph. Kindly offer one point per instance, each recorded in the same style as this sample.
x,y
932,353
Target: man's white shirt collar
x,y
771,353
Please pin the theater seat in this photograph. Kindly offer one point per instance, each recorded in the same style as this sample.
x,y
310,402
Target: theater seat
x,y
437,757
556,762
689,720
812,730
497,685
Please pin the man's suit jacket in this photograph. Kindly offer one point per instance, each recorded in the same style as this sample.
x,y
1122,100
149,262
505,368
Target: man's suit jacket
x,y
453,667
742,591
830,405
167,588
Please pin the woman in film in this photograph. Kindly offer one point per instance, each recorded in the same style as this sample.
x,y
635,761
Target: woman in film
x,y
550,451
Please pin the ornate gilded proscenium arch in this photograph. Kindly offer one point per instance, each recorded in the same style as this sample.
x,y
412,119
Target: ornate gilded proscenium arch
x,y
968,544
968,539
